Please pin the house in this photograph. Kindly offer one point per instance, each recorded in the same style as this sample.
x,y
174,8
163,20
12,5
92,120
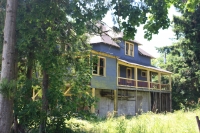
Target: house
x,y
124,80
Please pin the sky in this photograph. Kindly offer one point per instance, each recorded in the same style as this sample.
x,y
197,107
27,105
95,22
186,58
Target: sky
x,y
163,38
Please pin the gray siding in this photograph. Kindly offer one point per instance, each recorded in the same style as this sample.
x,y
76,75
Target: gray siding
x,y
109,81
105,105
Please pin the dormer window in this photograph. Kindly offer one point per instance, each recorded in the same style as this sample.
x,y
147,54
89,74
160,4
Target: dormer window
x,y
129,49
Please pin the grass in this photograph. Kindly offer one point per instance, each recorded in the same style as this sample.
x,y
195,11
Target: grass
x,y
177,122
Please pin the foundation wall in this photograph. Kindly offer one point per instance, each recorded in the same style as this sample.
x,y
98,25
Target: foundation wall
x,y
126,106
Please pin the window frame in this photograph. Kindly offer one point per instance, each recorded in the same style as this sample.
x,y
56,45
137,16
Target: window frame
x,y
129,49
130,73
143,71
98,66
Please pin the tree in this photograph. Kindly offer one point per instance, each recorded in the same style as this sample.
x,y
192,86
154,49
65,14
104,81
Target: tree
x,y
8,71
184,60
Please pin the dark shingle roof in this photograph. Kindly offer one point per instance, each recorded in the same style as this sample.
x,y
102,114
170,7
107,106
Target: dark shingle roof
x,y
103,39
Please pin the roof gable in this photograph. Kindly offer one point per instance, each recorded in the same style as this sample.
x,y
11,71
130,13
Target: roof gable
x,y
103,39
144,53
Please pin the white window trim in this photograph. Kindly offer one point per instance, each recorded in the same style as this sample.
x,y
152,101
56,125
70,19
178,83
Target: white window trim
x,y
144,72
98,66
130,73
129,48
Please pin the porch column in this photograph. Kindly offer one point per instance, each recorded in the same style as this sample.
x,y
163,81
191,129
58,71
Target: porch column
x,y
170,82
148,85
160,101
170,95
148,79
93,95
159,80
118,72
116,101
136,76
136,86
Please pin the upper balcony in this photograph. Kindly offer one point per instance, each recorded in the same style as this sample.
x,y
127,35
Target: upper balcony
x,y
145,78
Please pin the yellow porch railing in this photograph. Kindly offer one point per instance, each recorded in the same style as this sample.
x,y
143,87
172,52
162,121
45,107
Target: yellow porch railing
x,y
154,85
126,82
142,84
165,87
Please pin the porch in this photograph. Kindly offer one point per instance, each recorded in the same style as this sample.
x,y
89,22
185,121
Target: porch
x,y
125,82
133,76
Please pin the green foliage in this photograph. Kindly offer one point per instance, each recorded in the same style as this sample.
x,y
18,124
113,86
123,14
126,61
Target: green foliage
x,y
55,46
121,125
130,14
184,61
177,122
7,88
2,19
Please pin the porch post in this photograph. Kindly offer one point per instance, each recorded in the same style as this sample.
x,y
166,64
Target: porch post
x,y
159,80
118,72
116,101
136,86
148,79
170,95
136,76
160,101
148,85
170,82
159,87
93,95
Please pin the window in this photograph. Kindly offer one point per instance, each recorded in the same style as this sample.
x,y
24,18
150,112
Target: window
x,y
129,73
144,73
129,49
99,66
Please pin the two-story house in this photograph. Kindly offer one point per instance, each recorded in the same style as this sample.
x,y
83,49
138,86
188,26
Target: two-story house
x,y
124,80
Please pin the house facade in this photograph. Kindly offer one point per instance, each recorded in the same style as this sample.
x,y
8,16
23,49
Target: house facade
x,y
124,81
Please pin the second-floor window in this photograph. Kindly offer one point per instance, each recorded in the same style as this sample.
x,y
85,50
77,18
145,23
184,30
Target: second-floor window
x,y
99,66
129,49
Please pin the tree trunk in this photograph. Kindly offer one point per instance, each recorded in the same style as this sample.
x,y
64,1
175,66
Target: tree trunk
x,y
8,64
45,84
29,73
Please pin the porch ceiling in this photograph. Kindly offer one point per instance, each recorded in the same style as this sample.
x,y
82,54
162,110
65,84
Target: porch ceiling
x,y
154,69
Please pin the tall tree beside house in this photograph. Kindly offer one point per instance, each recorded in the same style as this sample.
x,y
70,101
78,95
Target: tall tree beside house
x,y
2,20
51,47
184,61
8,71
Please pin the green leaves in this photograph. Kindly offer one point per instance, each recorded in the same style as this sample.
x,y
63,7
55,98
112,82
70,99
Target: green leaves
x,y
7,88
184,61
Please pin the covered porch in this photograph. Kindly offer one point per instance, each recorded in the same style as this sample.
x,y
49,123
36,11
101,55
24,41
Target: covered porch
x,y
135,76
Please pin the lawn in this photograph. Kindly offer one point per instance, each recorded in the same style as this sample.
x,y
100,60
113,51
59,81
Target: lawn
x,y
177,122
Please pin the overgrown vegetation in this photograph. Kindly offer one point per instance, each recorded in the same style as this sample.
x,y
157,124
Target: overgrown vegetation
x,y
50,40
8,88
182,58
177,122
